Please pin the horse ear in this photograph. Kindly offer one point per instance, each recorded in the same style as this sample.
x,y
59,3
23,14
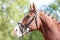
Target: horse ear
x,y
32,7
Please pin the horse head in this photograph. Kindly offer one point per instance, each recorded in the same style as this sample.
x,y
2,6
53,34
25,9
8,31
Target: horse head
x,y
29,23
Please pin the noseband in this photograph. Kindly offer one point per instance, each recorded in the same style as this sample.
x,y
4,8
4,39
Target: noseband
x,y
27,25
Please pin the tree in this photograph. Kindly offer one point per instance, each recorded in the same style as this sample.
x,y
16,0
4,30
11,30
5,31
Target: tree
x,y
53,9
11,11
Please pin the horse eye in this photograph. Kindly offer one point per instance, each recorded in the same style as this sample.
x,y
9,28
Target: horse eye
x,y
28,16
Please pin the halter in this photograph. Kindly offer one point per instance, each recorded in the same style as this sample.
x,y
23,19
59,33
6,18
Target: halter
x,y
27,25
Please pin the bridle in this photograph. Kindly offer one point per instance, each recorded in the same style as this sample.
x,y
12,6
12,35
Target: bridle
x,y
27,25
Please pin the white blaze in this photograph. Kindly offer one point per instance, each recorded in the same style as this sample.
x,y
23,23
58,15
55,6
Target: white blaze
x,y
17,31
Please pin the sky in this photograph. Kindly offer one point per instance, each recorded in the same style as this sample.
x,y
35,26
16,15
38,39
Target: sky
x,y
39,3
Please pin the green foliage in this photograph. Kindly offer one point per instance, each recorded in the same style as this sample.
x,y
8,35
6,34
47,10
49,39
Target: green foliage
x,y
35,35
57,1
53,9
54,6
11,11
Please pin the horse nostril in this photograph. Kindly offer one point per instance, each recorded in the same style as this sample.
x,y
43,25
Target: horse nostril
x,y
16,30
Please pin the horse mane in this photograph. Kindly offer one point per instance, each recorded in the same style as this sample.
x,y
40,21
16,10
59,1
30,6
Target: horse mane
x,y
53,18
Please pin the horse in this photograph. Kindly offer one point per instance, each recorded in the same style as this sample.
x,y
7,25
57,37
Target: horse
x,y
38,20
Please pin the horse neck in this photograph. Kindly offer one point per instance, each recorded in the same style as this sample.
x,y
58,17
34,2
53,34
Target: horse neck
x,y
49,26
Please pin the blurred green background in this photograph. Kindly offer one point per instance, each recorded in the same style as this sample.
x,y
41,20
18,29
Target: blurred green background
x,y
12,11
